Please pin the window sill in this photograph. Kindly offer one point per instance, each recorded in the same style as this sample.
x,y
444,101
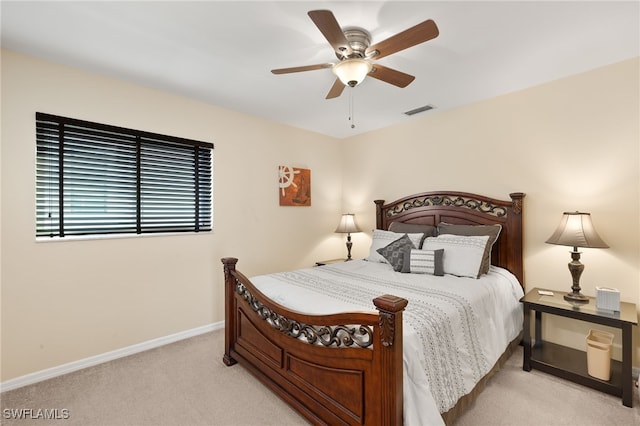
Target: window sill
x,y
117,236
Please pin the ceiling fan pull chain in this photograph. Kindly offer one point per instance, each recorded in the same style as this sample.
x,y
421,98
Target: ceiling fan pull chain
x,y
351,117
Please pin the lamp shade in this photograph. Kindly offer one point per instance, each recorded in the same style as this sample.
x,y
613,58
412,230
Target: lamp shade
x,y
576,230
352,71
347,224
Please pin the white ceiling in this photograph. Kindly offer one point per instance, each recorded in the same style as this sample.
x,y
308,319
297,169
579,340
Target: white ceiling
x,y
222,52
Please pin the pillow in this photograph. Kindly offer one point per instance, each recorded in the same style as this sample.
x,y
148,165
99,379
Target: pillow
x,y
493,231
426,262
462,255
383,238
408,228
397,253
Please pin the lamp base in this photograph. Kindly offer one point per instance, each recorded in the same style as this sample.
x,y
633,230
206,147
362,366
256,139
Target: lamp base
x,y
576,268
576,297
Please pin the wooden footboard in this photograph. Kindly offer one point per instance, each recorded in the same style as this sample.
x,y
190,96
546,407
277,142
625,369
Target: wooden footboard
x,y
333,369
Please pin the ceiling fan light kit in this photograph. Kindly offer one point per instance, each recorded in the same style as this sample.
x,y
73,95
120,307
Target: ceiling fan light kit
x,y
352,71
354,52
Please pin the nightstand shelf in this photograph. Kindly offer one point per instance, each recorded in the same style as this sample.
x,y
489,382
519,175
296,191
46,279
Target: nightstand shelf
x,y
569,363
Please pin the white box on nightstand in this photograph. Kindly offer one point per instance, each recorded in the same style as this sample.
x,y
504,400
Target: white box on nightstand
x,y
607,298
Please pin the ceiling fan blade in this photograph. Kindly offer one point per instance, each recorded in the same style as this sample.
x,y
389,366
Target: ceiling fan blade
x,y
329,27
420,33
300,69
391,76
336,89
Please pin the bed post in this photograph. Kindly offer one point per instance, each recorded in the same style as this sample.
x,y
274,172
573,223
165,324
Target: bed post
x,y
515,241
230,308
390,340
379,218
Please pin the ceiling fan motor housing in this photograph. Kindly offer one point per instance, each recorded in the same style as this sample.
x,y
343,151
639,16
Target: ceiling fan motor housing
x,y
359,40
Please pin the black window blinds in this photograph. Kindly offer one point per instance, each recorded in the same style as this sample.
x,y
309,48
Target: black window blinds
x,y
93,178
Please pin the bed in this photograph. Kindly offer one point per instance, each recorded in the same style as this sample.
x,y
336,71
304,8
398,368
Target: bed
x,y
368,341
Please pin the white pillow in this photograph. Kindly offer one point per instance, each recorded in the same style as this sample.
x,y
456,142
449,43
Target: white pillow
x,y
382,239
462,254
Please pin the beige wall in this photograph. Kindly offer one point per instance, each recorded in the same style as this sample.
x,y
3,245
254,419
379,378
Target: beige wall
x,y
571,144
65,301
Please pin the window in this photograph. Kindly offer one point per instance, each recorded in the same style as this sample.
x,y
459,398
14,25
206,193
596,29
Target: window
x,y
96,179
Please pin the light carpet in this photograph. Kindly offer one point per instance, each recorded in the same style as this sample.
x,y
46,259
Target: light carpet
x,y
186,383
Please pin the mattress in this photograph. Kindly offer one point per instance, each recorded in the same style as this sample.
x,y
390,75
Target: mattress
x,y
454,328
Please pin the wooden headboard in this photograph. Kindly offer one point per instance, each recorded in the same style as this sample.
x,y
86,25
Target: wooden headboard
x,y
431,208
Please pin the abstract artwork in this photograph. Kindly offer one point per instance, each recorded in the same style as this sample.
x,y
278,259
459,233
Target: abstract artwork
x,y
295,186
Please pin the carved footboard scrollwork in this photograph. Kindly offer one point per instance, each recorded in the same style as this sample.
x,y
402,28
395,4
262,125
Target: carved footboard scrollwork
x,y
303,357
326,335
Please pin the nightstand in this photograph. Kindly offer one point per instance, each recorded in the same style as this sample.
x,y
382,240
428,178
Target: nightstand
x,y
569,363
329,262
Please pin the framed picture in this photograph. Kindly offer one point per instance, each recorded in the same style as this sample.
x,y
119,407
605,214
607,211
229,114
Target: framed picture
x,y
294,186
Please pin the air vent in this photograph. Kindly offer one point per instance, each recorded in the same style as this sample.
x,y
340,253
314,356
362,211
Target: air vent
x,y
420,109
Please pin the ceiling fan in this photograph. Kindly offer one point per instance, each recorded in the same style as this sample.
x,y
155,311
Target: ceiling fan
x,y
355,53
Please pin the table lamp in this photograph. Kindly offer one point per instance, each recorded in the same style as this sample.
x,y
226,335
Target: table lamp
x,y
348,225
576,230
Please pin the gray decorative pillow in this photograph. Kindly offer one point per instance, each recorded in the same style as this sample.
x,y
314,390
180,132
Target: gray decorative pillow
x,y
409,228
382,238
493,231
426,262
398,252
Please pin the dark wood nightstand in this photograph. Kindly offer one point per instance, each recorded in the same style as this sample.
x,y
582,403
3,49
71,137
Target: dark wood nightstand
x,y
569,363
329,262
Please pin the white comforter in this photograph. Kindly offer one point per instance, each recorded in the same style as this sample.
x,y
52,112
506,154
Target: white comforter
x,y
455,329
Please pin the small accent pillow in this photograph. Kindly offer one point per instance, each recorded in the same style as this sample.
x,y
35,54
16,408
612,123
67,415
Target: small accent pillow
x,y
383,238
462,255
426,262
409,228
397,253
493,231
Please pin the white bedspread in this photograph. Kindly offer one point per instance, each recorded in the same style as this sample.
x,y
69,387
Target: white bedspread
x,y
455,329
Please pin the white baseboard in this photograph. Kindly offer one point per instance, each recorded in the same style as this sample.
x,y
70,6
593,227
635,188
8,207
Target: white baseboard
x,y
50,373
